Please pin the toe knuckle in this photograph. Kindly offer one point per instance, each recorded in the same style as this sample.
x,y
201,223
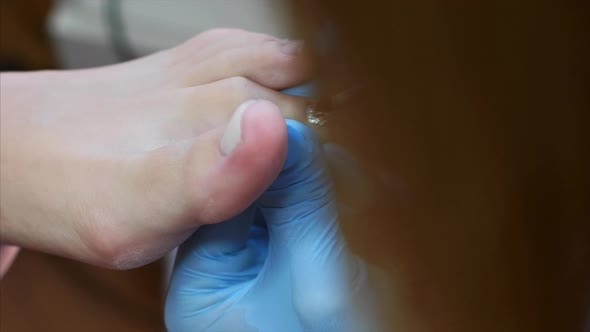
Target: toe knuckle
x,y
206,38
264,53
217,33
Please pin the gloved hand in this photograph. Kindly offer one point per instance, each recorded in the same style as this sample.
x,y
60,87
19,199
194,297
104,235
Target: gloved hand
x,y
281,265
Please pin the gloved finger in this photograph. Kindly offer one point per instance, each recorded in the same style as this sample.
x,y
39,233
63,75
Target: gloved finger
x,y
212,268
308,89
302,219
217,255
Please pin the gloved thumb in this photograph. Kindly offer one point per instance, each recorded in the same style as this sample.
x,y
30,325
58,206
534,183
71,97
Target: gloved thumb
x,y
211,267
302,219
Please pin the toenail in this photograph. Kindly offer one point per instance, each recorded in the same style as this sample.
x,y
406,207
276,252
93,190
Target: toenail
x,y
233,133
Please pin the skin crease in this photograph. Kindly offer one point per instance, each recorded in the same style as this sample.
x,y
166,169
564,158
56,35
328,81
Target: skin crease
x,y
116,165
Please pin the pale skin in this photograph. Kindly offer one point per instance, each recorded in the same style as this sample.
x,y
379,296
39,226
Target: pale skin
x,y
115,166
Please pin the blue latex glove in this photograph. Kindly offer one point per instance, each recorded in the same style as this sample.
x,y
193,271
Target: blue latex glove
x,y
308,89
282,265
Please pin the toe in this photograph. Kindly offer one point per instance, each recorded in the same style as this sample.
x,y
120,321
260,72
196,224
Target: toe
x,y
224,53
212,185
209,106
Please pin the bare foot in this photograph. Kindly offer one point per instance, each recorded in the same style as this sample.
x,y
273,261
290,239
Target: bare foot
x,y
117,165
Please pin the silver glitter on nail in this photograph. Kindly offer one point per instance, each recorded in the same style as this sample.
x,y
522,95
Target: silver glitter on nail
x,y
315,117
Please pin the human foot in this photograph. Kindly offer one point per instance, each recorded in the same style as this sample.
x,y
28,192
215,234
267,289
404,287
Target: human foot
x,y
117,165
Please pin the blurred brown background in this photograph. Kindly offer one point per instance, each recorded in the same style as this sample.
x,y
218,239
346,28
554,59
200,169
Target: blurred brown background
x,y
473,120
47,293
23,41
